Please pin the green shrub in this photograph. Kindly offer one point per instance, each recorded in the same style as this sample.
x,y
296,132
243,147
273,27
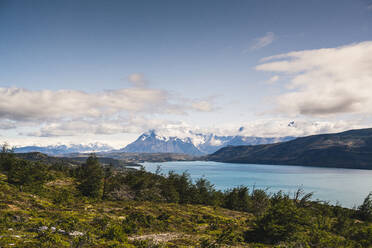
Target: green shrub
x,y
237,199
63,197
115,232
365,210
279,223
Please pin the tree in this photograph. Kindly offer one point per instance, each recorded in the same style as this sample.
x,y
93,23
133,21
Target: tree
x,y
6,158
92,177
205,193
237,199
280,222
260,201
27,173
365,210
182,185
108,172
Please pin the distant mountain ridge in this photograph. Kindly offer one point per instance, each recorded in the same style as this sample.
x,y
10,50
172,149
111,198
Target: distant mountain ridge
x,y
350,149
194,144
64,149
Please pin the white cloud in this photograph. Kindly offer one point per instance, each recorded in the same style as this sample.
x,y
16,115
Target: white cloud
x,y
273,127
137,79
75,128
325,81
203,105
134,124
6,124
71,112
273,79
300,127
263,41
18,104
22,104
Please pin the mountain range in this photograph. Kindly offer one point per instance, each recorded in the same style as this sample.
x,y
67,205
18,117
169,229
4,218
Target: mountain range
x,y
64,149
350,149
195,144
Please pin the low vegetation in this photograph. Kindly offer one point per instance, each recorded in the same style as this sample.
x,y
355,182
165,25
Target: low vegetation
x,y
90,205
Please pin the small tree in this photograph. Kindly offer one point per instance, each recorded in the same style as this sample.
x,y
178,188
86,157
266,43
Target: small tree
x,y
92,178
260,201
237,199
205,193
280,222
6,158
365,210
108,172
27,173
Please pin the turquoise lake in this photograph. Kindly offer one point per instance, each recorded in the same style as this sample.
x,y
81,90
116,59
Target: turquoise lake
x,y
347,187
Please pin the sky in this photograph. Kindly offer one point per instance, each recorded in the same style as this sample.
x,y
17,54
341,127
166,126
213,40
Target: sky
x,y
76,72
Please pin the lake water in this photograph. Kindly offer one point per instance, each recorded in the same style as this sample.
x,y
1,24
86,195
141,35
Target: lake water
x,y
348,187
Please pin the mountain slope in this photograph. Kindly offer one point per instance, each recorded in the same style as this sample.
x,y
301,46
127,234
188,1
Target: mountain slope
x,y
151,143
350,149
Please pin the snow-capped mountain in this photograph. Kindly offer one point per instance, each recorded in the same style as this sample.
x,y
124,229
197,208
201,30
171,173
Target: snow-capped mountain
x,y
212,142
150,142
195,144
184,142
65,149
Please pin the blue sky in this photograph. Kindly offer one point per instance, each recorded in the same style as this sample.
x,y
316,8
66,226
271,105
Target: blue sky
x,y
201,55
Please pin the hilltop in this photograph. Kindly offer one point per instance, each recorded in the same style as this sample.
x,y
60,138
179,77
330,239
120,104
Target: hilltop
x,y
350,149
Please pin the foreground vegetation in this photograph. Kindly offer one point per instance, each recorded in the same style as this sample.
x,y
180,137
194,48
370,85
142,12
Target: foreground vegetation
x,y
61,205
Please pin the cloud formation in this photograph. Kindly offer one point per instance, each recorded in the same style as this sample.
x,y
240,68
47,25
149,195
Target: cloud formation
x,y
26,105
136,124
273,79
325,82
6,124
278,127
137,79
71,112
263,41
273,127
202,105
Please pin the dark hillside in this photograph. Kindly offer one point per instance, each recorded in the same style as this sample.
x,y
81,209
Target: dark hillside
x,y
350,149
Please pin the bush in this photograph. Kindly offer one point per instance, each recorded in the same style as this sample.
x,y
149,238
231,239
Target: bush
x,y
26,173
115,232
279,223
260,201
237,199
365,210
136,220
64,197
